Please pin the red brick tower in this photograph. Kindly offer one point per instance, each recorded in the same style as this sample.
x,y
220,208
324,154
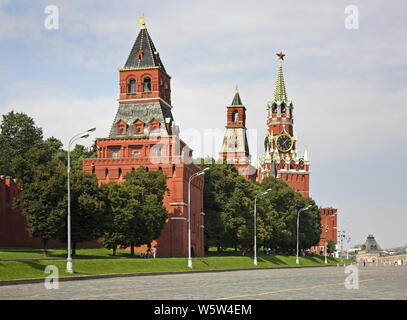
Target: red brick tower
x,y
235,148
329,228
281,158
143,134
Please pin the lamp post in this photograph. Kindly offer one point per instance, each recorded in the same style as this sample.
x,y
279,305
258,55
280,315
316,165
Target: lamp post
x,y
347,247
326,241
189,213
255,223
341,238
85,134
297,260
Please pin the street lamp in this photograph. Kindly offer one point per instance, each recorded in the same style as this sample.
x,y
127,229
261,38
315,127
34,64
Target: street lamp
x,y
342,236
326,240
189,213
348,238
85,134
297,260
255,223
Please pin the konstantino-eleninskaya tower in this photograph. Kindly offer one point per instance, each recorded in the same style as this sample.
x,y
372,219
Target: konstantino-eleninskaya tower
x,y
143,133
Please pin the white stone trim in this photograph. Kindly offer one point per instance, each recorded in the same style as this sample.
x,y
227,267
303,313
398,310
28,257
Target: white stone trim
x,y
145,99
178,204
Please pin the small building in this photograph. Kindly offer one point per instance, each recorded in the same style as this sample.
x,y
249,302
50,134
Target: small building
x,y
370,251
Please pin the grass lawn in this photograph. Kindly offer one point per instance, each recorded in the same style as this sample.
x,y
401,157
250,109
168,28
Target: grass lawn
x,y
91,262
81,253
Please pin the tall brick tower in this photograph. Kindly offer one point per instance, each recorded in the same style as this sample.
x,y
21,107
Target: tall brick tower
x,y
143,133
235,148
281,158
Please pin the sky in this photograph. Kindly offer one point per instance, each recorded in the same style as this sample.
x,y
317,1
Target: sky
x,y
345,70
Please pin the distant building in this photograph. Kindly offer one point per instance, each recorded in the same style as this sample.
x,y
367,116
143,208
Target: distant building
x,y
370,251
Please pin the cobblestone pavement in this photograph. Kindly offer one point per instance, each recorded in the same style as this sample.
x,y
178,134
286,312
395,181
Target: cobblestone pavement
x,y
375,282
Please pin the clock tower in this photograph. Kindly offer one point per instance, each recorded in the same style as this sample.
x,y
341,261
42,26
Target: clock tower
x,y
281,158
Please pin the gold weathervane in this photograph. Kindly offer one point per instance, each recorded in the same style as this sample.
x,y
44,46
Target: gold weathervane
x,y
141,20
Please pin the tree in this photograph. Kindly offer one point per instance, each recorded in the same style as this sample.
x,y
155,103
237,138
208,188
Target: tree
x,y
18,134
87,210
278,210
228,206
331,246
229,210
87,206
136,215
218,189
43,202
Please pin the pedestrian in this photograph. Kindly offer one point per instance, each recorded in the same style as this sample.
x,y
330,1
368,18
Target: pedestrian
x,y
148,253
364,263
269,251
154,251
243,251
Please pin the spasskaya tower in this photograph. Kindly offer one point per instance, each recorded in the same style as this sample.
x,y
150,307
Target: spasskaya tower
x,y
281,158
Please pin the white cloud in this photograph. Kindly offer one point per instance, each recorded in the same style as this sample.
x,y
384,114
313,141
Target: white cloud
x,y
59,112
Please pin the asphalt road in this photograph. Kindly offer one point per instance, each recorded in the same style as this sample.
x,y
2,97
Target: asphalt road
x,y
375,282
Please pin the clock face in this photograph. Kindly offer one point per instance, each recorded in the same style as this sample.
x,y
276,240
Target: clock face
x,y
284,142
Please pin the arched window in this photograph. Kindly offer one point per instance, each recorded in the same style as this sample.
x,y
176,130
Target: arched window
x,y
147,84
131,86
282,108
106,173
140,54
120,173
235,116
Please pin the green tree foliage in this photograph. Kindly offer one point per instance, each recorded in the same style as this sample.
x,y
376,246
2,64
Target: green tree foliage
x,y
43,202
278,210
229,212
219,188
331,246
18,134
87,210
135,211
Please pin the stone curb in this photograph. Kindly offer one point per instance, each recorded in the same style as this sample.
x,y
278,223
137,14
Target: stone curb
x,y
124,275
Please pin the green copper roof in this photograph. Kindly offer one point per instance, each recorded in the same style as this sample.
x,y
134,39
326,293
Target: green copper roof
x,y
280,93
236,100
371,245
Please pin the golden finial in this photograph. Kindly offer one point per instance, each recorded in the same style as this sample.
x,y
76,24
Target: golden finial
x,y
141,20
280,56
237,89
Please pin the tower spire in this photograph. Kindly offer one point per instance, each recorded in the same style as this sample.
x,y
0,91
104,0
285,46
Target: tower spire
x,y
280,93
236,99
